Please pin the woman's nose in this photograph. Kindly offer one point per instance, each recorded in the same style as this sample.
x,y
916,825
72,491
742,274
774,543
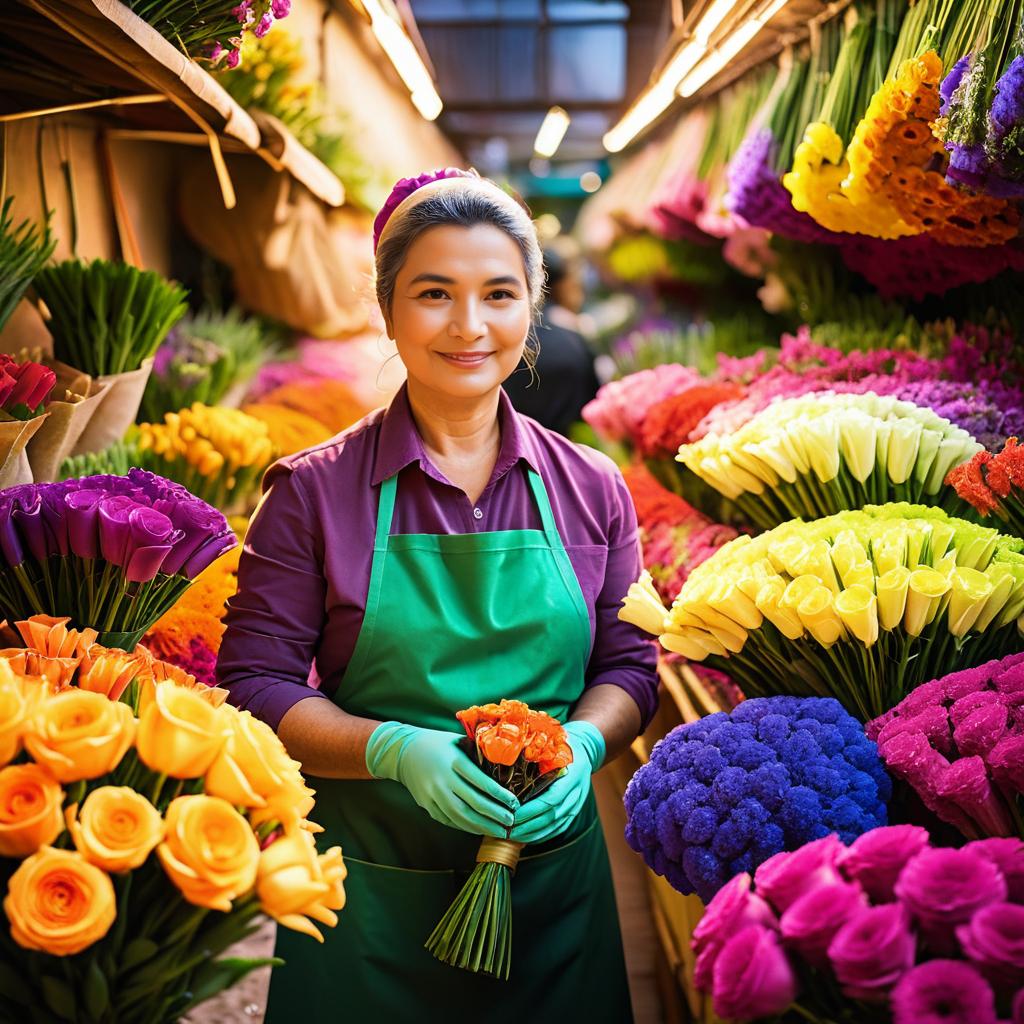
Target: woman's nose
x,y
467,322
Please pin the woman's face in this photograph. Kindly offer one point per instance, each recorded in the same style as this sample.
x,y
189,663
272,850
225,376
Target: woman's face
x,y
461,310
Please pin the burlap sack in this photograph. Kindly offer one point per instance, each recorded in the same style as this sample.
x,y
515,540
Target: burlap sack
x,y
293,258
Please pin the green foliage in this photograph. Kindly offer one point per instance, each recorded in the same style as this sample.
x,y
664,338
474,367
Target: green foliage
x,y
24,251
105,316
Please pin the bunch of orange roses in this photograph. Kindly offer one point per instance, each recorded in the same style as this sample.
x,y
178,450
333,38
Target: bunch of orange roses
x,y
144,824
524,751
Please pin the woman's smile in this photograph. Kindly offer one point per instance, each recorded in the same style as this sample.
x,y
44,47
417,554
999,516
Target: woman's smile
x,y
465,360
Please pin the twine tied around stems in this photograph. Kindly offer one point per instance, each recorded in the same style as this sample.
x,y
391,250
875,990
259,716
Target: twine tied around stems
x,y
500,851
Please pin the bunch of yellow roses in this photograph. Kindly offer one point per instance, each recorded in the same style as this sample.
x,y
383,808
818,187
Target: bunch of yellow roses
x,y
861,606
821,453
148,831
219,454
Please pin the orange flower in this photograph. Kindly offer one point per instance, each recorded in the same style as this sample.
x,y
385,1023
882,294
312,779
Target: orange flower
x,y
109,671
329,401
30,809
157,671
501,743
58,672
51,636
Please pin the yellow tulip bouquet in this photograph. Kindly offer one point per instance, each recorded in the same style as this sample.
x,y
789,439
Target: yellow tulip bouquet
x,y
144,826
218,454
824,453
862,606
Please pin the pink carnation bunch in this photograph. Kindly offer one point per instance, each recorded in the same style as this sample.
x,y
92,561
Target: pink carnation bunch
x,y
619,408
958,742
890,922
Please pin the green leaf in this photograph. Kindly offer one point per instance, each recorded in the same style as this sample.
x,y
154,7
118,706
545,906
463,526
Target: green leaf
x,y
11,986
59,997
95,992
217,975
137,952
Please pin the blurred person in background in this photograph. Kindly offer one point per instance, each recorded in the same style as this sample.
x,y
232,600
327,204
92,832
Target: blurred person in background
x,y
564,379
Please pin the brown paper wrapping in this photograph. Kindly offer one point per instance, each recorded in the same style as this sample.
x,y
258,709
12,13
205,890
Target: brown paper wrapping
x,y
117,409
14,436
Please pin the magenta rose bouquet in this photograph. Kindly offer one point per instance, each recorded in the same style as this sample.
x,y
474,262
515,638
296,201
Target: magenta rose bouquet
x,y
958,742
887,929
113,553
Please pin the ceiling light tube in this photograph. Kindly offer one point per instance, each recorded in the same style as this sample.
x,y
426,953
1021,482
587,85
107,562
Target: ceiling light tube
x,y
406,60
657,99
551,132
733,45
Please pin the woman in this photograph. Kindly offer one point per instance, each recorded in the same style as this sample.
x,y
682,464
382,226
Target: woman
x,y
441,553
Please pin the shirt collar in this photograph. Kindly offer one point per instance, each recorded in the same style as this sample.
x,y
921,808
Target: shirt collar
x,y
400,444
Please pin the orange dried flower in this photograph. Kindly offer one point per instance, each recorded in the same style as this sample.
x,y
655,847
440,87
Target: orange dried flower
x,y
58,672
109,671
329,401
51,636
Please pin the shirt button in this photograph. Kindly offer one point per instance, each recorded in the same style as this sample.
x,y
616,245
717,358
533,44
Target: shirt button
x,y
478,513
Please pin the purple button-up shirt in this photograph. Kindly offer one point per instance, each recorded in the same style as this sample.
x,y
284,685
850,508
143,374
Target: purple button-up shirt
x,y
305,565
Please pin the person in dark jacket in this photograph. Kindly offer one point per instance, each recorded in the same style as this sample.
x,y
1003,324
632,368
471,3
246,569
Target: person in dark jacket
x,y
563,378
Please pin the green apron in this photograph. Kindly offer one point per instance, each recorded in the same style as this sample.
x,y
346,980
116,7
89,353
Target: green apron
x,y
454,620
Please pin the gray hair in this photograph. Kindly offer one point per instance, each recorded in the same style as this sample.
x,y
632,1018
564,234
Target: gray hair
x,y
480,202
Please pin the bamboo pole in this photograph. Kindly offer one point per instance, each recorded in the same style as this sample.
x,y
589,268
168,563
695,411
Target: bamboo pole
x,y
67,108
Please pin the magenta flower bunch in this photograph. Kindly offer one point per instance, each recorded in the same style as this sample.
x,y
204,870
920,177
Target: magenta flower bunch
x,y
887,929
968,385
958,742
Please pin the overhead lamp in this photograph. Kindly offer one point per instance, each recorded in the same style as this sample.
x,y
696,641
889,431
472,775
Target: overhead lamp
x,y
551,132
658,98
717,61
405,58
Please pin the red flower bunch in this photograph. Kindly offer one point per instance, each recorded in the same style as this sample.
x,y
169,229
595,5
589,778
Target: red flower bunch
x,y
668,424
655,505
994,484
24,387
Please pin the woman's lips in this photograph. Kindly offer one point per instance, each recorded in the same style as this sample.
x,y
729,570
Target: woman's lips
x,y
467,360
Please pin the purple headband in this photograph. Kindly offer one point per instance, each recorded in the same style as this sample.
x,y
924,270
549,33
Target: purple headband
x,y
405,188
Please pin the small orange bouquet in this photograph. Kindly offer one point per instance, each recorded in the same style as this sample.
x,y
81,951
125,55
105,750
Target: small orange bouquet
x,y
524,751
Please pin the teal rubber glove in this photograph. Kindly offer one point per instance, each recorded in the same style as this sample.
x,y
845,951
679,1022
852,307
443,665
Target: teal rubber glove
x,y
441,778
556,808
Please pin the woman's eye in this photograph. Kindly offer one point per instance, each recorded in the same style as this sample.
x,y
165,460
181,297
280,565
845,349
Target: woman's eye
x,y
502,293
432,293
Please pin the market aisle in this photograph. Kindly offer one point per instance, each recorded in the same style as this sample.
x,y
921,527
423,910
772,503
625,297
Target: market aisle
x,y
638,935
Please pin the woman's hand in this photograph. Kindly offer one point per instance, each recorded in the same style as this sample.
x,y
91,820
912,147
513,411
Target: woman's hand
x,y
556,808
441,778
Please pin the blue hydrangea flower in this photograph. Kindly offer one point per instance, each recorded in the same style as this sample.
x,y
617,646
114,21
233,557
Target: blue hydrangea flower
x,y
723,794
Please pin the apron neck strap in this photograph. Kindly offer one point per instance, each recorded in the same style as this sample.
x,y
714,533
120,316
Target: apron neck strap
x,y
386,509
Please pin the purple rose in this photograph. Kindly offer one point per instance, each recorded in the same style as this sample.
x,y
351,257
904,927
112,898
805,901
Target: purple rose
x,y
144,563
785,877
10,542
28,515
197,521
207,554
1008,856
733,907
752,976
810,922
55,517
112,519
943,888
146,526
872,951
966,784
83,521
876,858
994,941
943,992
404,188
